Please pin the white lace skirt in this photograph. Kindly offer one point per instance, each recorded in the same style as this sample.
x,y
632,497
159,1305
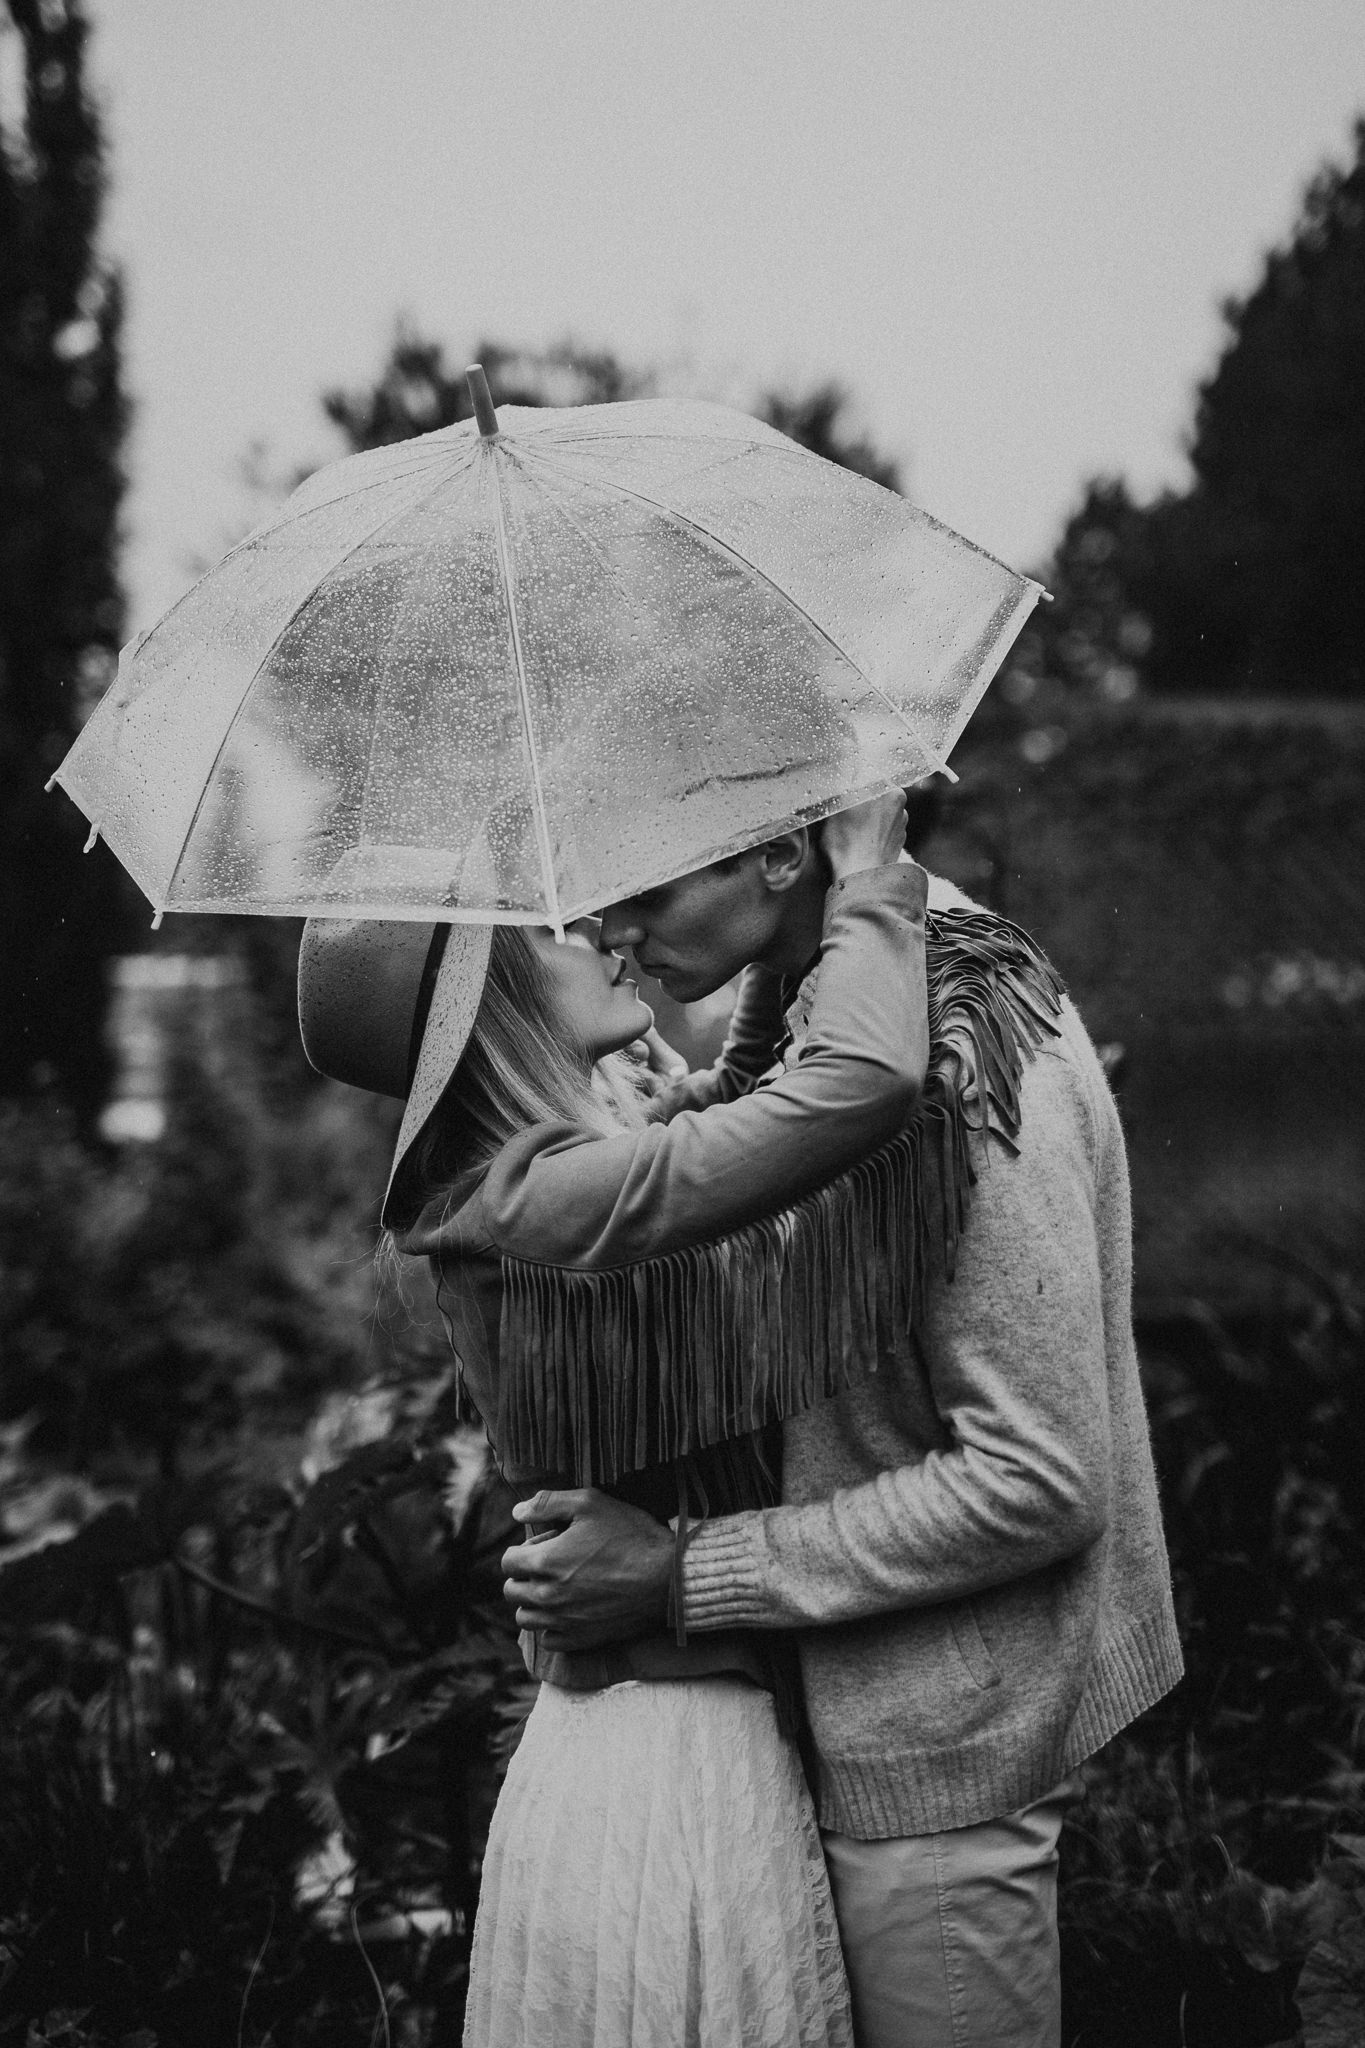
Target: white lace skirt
x,y
654,1879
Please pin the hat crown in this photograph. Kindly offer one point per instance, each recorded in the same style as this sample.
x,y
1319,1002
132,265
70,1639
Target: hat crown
x,y
359,981
360,985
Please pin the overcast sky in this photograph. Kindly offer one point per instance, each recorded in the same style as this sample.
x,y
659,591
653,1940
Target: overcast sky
x,y
1006,225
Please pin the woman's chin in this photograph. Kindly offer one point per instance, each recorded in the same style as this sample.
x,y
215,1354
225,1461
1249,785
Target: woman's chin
x,y
641,1021
638,1020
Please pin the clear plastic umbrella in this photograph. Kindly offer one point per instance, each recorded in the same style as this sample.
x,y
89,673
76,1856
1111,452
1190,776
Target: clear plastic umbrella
x,y
526,665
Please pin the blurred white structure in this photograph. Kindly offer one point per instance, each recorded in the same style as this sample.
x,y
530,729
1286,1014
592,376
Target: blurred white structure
x,y
153,997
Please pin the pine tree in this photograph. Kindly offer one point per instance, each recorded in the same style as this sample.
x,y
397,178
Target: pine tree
x,y
1250,582
1263,587
62,418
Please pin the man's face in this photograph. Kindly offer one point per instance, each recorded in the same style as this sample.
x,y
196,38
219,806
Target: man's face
x,y
695,934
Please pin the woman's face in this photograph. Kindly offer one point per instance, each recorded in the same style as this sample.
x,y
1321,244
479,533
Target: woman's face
x,y
596,997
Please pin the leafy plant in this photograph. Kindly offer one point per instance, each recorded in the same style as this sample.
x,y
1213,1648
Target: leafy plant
x,y
245,1785
1218,1846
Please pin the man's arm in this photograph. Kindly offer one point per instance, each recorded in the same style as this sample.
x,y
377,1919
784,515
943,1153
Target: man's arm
x,y
1016,1363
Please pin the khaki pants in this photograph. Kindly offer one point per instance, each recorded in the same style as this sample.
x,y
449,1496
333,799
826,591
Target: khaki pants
x,y
951,1940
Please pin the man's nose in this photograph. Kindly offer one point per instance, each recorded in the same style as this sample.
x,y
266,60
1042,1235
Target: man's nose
x,y
621,926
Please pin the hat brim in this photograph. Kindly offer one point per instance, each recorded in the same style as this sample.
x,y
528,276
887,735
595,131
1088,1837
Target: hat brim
x,y
455,1000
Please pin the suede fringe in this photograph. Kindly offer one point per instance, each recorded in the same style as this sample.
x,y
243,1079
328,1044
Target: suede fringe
x,y
611,1371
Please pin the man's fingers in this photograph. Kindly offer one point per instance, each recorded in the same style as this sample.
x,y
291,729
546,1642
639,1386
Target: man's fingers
x,y
519,1581
554,1507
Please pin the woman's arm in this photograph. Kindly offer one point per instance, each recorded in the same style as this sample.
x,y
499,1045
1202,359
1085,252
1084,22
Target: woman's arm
x,y
558,1196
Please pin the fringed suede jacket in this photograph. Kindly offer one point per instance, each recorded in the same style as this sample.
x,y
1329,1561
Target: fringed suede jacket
x,y
634,1312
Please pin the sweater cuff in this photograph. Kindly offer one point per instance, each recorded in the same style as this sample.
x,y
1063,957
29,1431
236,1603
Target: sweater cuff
x,y
721,1582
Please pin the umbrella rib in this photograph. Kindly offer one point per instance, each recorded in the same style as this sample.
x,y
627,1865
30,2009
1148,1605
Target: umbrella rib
x,y
723,547
295,615
519,661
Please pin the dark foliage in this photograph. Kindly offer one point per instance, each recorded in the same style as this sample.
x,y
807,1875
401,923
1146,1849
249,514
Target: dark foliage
x,y
816,419
1205,1866
1094,635
1259,564
417,391
244,1777
1250,581
152,1303
257,1671
62,417
1260,1434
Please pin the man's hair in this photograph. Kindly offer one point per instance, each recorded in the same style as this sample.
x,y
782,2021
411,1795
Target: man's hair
x,y
521,1066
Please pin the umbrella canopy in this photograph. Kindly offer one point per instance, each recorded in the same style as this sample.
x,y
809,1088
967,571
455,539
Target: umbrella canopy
x,y
526,665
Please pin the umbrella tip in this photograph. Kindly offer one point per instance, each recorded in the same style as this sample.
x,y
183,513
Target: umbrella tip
x,y
482,399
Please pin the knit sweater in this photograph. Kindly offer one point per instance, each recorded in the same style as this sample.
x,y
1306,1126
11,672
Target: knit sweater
x,y
970,1539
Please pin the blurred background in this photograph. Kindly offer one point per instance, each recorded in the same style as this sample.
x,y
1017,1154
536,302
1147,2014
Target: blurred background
x,y
1087,284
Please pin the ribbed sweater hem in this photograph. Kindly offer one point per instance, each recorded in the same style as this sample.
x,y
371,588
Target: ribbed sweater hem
x,y
919,1792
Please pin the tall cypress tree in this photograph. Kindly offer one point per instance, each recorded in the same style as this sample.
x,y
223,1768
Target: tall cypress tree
x,y
62,418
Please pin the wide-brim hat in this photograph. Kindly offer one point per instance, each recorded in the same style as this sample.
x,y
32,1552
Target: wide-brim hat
x,y
389,1007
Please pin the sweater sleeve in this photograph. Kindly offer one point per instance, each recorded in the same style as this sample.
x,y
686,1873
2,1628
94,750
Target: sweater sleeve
x,y
1013,1351
559,1196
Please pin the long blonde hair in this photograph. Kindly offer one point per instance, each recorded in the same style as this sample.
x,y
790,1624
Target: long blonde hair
x,y
521,1066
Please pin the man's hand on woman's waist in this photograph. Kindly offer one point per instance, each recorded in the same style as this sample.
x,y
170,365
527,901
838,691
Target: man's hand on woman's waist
x,y
601,1579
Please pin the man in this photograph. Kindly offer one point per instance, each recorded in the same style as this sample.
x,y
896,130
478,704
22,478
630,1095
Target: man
x,y
969,1541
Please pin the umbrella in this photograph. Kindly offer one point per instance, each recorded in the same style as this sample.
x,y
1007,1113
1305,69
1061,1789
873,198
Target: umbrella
x,y
523,666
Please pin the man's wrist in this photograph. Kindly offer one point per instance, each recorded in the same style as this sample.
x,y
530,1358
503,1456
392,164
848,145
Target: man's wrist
x,y
721,1577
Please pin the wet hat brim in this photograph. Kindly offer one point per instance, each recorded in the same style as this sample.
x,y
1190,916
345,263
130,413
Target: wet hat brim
x,y
364,984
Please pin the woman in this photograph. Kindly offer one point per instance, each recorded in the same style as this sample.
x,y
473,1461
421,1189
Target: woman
x,y
632,1291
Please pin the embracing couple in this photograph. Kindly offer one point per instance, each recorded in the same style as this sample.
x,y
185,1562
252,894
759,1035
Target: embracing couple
x,y
843,1546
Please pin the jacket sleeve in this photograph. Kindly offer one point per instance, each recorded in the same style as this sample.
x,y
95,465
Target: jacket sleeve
x,y
559,1196
1014,1353
758,1027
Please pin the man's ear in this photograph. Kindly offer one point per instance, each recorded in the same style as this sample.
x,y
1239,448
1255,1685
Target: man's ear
x,y
785,859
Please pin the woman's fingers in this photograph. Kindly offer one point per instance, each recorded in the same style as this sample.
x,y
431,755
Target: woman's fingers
x,y
664,1059
871,835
